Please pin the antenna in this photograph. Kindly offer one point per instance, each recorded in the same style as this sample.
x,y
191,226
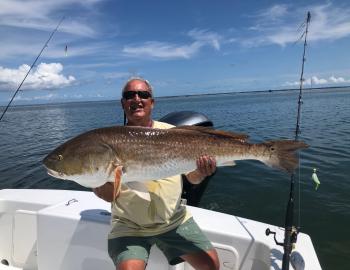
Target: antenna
x,y
36,59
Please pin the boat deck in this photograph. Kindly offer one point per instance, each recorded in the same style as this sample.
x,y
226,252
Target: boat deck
x,y
64,229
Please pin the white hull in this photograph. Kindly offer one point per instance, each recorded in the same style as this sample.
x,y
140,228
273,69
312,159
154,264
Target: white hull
x,y
67,230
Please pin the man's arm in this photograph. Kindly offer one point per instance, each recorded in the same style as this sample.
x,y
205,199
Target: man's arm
x,y
110,191
105,192
206,166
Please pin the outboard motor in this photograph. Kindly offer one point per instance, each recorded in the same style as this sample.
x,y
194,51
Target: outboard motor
x,y
188,118
190,192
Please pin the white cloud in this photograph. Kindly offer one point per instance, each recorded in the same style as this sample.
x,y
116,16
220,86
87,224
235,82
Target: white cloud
x,y
50,96
291,84
164,50
44,76
307,81
338,80
26,24
206,37
14,49
117,75
161,50
279,24
272,14
78,50
276,11
314,80
42,15
55,96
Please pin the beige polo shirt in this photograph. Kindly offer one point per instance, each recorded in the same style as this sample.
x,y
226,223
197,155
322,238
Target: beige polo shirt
x,y
161,211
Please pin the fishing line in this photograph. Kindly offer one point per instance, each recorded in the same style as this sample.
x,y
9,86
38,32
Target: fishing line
x,y
36,59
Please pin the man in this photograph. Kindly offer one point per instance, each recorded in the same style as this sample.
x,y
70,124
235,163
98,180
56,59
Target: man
x,y
139,221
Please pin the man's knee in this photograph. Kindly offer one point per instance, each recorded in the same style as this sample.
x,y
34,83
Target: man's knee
x,y
208,260
215,259
131,265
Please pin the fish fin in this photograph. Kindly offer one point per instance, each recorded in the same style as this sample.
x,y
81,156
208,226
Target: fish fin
x,y
228,163
211,131
117,181
282,154
113,165
140,189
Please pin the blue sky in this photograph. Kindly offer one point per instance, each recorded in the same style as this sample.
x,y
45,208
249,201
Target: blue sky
x,y
181,47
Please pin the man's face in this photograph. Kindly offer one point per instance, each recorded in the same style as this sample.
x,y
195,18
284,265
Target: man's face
x,y
137,108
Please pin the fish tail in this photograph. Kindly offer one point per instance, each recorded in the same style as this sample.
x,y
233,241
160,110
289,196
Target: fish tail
x,y
282,154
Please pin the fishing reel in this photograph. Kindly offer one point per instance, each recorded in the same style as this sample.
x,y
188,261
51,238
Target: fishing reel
x,y
293,236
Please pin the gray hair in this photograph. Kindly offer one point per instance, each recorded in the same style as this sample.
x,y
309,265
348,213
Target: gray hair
x,y
136,78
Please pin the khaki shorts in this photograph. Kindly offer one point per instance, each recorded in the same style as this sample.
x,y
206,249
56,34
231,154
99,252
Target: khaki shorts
x,y
185,239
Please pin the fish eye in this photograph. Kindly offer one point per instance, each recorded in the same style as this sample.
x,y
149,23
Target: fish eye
x,y
60,157
272,148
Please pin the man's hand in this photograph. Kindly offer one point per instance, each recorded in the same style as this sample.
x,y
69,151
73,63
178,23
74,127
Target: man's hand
x,y
206,166
105,192
110,191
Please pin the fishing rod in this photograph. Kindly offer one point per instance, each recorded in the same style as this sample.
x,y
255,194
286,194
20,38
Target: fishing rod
x,y
36,59
291,232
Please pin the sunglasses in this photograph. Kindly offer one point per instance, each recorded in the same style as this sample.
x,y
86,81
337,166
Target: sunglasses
x,y
131,94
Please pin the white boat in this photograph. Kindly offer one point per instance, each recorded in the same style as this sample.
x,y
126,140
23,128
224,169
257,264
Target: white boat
x,y
67,230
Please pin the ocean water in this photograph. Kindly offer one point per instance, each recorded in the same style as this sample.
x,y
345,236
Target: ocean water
x,y
249,189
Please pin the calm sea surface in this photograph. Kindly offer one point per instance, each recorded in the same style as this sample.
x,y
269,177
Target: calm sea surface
x,y
249,190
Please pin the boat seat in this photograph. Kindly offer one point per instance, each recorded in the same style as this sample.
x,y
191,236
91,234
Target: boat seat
x,y
7,267
24,239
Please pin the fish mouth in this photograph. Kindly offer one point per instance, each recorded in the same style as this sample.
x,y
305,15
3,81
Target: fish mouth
x,y
55,174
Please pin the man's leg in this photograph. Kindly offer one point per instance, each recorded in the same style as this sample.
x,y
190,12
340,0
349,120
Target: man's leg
x,y
188,243
129,253
207,260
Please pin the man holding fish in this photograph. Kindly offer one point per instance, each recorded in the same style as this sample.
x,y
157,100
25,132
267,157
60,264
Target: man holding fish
x,y
152,212
120,161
